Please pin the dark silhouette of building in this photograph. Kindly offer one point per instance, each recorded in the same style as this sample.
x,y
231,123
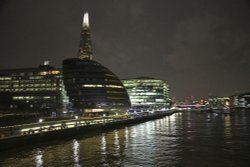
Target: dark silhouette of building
x,y
91,87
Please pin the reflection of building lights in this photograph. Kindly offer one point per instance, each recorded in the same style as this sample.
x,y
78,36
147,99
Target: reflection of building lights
x,y
76,117
38,158
40,120
76,150
103,143
126,137
116,142
103,148
227,127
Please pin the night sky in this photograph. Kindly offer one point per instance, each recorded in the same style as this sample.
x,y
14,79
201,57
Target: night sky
x,y
200,47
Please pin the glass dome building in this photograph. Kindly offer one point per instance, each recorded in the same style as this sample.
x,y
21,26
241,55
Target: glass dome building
x,y
94,88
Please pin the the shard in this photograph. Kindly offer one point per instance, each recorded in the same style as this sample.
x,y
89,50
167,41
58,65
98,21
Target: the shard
x,y
85,49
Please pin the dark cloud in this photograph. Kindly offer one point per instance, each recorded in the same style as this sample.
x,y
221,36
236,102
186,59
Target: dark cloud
x,y
199,47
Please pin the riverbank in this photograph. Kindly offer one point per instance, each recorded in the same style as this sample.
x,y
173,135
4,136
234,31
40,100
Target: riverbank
x,y
14,136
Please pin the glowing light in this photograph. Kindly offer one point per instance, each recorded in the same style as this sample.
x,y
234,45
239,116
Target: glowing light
x,y
40,120
94,110
86,20
46,63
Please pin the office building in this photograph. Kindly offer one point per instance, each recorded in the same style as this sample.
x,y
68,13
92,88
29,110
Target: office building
x,y
38,89
147,93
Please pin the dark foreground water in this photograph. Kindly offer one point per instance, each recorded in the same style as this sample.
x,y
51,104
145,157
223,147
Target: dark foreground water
x,y
183,139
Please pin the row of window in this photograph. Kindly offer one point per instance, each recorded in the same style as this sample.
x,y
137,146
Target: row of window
x,y
29,85
145,93
30,89
32,97
142,81
31,81
100,86
35,77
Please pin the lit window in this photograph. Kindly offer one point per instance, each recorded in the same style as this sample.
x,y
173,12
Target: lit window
x,y
100,86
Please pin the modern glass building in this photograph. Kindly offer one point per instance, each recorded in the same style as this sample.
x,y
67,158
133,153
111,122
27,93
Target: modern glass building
x,y
91,87
32,90
147,93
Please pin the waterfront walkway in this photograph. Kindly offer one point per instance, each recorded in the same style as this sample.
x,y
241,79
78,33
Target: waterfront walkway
x,y
44,127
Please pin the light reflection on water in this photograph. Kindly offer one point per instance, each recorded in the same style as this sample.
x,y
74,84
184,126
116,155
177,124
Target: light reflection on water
x,y
76,156
39,158
182,139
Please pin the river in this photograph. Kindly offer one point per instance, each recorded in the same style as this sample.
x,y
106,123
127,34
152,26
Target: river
x,y
185,139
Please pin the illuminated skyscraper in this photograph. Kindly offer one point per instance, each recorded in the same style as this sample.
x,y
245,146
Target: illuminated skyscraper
x,y
91,87
85,50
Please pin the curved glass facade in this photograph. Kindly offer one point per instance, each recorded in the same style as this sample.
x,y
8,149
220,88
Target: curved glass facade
x,y
93,88
147,92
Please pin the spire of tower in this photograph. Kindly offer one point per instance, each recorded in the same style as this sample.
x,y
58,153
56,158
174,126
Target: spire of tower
x,y
85,22
85,50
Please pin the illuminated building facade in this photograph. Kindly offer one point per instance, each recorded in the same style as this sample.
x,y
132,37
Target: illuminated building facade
x,y
147,93
240,100
91,87
215,101
32,89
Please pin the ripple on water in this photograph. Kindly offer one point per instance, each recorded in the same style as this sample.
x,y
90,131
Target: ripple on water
x,y
185,139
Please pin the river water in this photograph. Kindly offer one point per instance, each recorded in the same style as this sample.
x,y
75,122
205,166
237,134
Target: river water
x,y
185,139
